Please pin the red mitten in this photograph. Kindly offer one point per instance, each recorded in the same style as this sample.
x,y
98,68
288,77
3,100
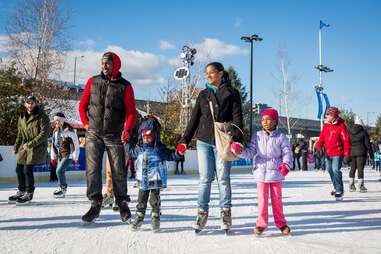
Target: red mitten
x,y
283,169
181,148
54,163
236,148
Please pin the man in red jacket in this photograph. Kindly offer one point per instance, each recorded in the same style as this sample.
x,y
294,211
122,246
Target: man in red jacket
x,y
107,110
335,138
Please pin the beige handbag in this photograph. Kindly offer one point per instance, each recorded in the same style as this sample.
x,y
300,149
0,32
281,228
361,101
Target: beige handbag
x,y
223,138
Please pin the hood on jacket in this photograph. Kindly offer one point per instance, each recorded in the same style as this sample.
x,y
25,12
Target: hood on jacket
x,y
116,63
355,129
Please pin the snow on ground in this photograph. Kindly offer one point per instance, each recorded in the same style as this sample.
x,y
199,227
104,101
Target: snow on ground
x,y
319,224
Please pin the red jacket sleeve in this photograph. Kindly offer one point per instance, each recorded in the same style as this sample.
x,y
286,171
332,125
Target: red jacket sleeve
x,y
321,140
346,141
84,102
129,104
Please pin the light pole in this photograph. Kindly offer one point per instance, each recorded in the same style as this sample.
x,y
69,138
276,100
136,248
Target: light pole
x,y
75,66
250,39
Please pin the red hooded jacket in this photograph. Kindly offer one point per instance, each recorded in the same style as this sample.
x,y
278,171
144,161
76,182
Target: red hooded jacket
x,y
336,139
129,101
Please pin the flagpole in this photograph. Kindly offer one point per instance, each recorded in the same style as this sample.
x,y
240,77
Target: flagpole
x,y
320,77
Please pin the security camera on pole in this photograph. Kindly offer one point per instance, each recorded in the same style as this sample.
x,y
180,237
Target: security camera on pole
x,y
183,74
319,88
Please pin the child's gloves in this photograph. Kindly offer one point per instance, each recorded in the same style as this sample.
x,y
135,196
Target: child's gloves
x,y
283,169
181,148
54,163
236,148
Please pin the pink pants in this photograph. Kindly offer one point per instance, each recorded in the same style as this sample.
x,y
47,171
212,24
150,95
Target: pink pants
x,y
276,202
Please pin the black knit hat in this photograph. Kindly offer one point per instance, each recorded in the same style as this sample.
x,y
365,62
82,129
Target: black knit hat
x,y
31,98
108,56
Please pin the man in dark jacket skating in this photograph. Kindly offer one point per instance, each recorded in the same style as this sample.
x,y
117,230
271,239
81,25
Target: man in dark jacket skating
x,y
107,110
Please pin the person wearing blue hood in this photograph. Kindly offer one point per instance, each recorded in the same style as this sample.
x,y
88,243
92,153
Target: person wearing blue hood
x,y
227,107
151,170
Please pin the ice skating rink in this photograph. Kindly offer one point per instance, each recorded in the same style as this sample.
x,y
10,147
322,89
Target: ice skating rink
x,y
319,224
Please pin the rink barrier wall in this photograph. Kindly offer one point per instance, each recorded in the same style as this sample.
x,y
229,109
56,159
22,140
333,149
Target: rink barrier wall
x,y
77,171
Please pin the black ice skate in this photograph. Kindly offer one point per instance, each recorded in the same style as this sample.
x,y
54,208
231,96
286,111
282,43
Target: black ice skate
x,y
352,187
24,199
285,230
202,218
93,212
60,193
138,222
124,211
226,219
339,196
155,222
362,188
12,199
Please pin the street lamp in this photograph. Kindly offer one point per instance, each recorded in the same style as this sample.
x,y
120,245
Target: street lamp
x,y
250,40
75,66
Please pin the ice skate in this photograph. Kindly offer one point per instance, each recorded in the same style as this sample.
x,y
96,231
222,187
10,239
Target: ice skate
x,y
259,231
202,218
352,187
362,188
138,222
125,213
226,219
155,222
285,230
93,212
12,199
24,199
107,201
60,193
339,196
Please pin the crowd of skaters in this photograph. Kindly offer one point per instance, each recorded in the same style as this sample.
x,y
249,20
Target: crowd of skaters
x,y
108,113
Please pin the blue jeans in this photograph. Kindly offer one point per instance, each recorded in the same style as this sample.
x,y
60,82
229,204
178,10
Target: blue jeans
x,y
210,166
333,165
62,165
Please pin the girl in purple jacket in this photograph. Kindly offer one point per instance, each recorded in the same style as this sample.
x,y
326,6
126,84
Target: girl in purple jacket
x,y
273,157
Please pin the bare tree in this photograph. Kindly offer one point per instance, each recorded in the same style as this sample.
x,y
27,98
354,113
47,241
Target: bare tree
x,y
287,93
38,38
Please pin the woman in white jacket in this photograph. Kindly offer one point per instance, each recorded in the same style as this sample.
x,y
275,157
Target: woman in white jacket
x,y
65,150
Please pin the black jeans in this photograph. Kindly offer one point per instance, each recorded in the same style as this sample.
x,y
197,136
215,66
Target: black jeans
x,y
357,162
296,158
96,144
154,200
25,178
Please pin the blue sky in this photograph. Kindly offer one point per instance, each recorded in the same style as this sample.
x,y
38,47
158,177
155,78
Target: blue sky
x,y
134,29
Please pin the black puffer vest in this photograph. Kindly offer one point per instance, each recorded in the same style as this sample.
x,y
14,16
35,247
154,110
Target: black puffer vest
x,y
106,109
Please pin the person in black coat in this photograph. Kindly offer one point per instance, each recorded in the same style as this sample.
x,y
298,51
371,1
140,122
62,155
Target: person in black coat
x,y
227,107
361,147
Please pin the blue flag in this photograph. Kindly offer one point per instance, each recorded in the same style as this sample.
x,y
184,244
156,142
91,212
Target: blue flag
x,y
322,24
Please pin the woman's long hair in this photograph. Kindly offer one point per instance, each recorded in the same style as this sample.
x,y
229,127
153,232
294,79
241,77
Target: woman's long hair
x,y
219,67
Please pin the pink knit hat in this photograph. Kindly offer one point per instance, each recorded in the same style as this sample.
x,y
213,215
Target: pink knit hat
x,y
272,113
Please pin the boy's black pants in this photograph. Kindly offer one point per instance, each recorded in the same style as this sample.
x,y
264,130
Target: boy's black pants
x,y
154,200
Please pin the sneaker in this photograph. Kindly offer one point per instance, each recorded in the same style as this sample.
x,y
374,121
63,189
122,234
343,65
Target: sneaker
x,y
24,199
201,219
363,189
226,218
352,187
138,222
339,196
93,212
107,201
12,199
259,230
60,193
155,222
285,230
124,211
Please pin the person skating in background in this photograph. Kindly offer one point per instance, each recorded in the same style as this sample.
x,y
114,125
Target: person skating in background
x,y
151,174
227,107
336,140
319,157
272,155
297,153
65,150
107,110
360,149
30,148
